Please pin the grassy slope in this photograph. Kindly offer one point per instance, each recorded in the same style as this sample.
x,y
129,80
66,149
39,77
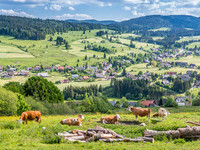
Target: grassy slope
x,y
30,136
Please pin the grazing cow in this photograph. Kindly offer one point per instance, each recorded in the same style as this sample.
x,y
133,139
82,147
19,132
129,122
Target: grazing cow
x,y
163,113
29,116
73,121
110,119
140,112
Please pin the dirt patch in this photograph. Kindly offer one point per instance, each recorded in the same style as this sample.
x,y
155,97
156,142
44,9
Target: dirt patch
x,y
129,122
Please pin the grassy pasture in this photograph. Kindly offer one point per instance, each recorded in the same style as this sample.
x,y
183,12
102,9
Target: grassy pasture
x,y
134,69
15,136
189,59
161,29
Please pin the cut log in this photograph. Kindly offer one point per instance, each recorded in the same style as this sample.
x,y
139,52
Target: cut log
x,y
189,131
67,134
78,132
171,133
109,131
194,123
78,137
96,130
102,136
147,139
121,140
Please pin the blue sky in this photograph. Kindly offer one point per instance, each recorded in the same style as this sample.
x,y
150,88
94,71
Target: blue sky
x,y
117,10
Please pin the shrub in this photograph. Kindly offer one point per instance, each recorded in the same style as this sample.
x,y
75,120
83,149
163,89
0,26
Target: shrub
x,y
37,105
8,102
43,89
179,141
16,87
22,105
170,102
49,137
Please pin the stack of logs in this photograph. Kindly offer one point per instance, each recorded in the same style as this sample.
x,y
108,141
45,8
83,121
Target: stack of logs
x,y
186,133
100,134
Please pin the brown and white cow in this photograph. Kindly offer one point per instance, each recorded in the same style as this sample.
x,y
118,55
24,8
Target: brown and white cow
x,y
110,119
73,121
142,112
162,113
29,116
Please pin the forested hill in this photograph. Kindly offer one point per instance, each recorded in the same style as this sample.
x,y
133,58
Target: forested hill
x,y
158,21
105,22
36,29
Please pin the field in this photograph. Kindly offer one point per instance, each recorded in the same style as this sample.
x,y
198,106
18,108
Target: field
x,y
134,69
31,136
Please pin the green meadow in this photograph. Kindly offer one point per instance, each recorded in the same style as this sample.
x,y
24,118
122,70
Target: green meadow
x,y
32,136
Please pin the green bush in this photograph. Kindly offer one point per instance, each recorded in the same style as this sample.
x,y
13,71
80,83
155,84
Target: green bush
x,y
8,102
43,89
22,105
179,141
50,137
16,87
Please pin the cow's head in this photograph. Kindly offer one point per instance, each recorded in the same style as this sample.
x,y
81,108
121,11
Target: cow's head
x,y
129,109
20,121
62,121
81,116
118,117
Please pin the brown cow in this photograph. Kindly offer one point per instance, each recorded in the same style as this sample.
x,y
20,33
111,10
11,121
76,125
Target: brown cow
x,y
29,116
73,121
140,112
110,119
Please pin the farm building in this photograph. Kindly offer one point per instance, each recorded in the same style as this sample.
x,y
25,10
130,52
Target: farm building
x,y
42,75
149,103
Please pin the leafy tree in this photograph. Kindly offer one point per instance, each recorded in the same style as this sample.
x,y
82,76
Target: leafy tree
x,y
22,105
124,72
154,63
16,87
104,55
8,102
170,102
43,89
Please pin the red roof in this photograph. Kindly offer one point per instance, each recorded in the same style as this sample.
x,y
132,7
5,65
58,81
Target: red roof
x,y
60,68
85,77
147,103
171,73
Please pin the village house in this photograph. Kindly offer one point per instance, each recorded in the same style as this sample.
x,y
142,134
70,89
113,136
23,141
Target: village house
x,y
60,68
68,68
85,77
196,84
37,68
13,69
172,74
80,68
189,73
182,64
99,75
29,68
185,77
47,69
165,82
181,100
75,76
93,68
43,75
107,66
6,75
192,66
149,103
10,72
64,81
23,73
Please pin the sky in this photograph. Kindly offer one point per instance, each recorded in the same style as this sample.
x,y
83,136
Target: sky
x,y
117,10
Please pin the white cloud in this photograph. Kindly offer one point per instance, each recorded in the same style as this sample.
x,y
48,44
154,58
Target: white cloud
x,y
134,1
55,7
110,4
71,8
21,1
127,8
14,13
73,16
